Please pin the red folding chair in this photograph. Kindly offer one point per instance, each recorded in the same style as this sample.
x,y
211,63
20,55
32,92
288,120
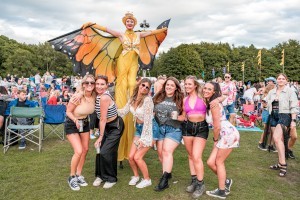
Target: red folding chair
x,y
248,109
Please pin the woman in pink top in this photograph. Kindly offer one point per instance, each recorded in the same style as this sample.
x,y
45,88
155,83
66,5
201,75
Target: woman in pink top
x,y
77,129
195,132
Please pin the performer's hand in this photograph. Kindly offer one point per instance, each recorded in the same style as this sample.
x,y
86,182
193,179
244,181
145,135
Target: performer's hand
x,y
86,25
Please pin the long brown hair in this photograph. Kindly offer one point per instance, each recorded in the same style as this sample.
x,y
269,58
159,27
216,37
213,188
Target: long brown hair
x,y
177,97
134,96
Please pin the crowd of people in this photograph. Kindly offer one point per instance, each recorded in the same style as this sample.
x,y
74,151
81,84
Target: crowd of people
x,y
167,112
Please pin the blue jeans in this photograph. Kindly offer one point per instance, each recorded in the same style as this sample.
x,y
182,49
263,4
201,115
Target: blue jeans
x,y
155,129
229,108
166,131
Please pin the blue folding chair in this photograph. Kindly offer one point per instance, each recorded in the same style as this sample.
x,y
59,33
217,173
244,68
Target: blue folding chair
x,y
54,117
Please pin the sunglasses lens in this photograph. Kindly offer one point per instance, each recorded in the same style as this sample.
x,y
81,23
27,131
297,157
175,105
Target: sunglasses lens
x,y
87,83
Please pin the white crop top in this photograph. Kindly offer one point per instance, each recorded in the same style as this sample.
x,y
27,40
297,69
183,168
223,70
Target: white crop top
x,y
143,113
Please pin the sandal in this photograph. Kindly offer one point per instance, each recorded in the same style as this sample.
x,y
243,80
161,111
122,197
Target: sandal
x,y
282,170
275,167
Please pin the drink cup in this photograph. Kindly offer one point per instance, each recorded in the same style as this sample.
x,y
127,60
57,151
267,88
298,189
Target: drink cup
x,y
80,122
98,149
174,115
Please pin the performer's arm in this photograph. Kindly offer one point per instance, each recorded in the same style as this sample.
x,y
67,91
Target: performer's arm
x,y
102,28
145,34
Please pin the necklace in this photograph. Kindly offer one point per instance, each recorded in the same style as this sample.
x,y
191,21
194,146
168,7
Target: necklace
x,y
88,99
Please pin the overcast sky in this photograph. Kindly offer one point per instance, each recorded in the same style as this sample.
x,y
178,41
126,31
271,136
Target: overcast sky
x,y
263,23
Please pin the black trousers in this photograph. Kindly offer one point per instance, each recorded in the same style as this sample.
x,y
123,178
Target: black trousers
x,y
106,161
94,121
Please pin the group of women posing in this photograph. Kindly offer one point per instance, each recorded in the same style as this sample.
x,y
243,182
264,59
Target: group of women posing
x,y
165,119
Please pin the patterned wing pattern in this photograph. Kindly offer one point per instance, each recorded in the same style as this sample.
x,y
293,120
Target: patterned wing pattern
x,y
90,51
149,47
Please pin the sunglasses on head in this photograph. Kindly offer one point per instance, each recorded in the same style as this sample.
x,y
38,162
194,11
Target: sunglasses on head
x,y
89,82
145,86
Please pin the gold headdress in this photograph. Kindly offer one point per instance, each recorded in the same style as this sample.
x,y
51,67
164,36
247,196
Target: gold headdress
x,y
129,15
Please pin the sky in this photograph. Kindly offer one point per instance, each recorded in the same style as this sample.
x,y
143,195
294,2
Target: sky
x,y
263,23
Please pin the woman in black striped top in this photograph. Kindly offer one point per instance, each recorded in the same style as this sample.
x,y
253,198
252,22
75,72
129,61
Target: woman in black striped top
x,y
111,127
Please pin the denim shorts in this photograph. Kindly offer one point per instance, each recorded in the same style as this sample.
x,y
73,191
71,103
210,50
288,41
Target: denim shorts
x,y
265,116
195,129
155,129
282,118
166,131
229,108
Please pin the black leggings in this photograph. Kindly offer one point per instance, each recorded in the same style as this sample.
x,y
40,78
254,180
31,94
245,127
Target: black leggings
x,y
106,161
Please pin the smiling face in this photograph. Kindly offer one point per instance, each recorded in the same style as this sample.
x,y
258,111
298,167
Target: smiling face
x,y
208,90
281,80
101,86
89,84
170,88
144,88
129,24
190,86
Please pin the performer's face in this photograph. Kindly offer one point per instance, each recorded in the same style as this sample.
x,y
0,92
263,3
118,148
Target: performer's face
x,y
101,86
208,90
170,88
129,24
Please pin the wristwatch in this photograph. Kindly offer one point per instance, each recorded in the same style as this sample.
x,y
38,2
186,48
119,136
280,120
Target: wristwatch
x,y
294,120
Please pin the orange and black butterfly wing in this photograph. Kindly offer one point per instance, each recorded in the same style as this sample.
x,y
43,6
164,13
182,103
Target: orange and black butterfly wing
x,y
90,51
149,47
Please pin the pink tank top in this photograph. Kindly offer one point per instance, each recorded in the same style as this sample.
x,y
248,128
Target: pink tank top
x,y
199,108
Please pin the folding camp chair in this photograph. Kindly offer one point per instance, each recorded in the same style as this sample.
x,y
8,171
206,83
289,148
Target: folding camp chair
x,y
54,117
16,131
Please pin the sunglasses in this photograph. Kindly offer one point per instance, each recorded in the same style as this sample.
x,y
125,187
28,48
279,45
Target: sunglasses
x,y
145,86
227,77
89,82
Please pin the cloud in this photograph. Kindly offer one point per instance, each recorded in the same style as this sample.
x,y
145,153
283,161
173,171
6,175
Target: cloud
x,y
263,23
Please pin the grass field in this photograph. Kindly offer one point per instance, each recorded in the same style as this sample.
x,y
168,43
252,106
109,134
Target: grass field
x,y
27,174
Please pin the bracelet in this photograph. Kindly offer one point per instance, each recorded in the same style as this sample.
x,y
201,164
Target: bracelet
x,y
215,140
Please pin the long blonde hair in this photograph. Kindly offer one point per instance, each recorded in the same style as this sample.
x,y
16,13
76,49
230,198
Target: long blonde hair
x,y
198,88
80,87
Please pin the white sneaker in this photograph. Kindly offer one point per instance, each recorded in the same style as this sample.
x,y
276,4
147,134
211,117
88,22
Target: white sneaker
x,y
97,182
81,181
92,136
134,180
97,133
108,185
144,183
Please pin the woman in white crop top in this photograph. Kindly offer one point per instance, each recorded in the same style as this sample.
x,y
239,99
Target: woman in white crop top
x,y
141,107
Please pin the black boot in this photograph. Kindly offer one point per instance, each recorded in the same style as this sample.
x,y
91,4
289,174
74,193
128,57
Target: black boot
x,y
163,183
199,189
192,186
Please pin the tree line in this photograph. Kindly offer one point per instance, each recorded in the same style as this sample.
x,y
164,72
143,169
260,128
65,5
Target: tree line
x,y
199,59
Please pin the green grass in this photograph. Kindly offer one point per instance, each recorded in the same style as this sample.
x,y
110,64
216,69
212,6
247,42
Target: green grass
x,y
27,174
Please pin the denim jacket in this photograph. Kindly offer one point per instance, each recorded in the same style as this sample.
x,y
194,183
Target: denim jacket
x,y
288,101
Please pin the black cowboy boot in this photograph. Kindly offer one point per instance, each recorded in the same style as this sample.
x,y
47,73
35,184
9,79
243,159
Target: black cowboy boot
x,y
163,183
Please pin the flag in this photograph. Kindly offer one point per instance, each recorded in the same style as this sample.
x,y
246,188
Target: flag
x,y
227,66
282,58
259,57
243,66
213,72
202,74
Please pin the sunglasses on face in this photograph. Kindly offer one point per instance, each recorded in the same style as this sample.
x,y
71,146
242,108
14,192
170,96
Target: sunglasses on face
x,y
145,86
89,82
227,77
